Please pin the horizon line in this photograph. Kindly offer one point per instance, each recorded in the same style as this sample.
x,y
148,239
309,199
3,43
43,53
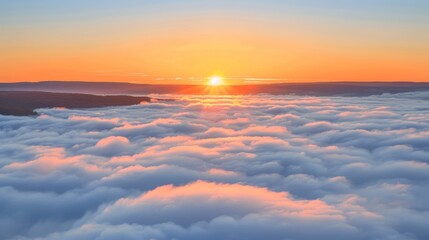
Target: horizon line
x,y
235,84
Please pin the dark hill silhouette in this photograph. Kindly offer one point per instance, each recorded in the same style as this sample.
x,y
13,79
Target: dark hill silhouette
x,y
24,103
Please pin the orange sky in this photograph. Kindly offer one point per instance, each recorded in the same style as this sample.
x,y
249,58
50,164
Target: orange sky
x,y
186,43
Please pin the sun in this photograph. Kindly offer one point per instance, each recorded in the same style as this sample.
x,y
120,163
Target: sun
x,y
215,81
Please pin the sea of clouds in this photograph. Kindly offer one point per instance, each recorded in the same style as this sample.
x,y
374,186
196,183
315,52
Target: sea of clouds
x,y
220,167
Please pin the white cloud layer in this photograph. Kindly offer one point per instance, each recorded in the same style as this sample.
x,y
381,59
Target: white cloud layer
x,y
222,167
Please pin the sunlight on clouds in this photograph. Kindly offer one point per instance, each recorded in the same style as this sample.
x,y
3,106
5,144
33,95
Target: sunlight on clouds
x,y
203,166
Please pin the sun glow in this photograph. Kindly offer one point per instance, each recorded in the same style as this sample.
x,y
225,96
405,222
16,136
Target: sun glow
x,y
215,81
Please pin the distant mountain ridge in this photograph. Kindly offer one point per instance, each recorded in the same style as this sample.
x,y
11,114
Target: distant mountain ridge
x,y
317,89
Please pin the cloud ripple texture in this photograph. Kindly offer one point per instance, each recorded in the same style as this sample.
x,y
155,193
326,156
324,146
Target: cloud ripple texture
x,y
221,167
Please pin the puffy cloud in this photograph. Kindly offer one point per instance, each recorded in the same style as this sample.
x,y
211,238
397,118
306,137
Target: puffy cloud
x,y
221,167
204,201
111,146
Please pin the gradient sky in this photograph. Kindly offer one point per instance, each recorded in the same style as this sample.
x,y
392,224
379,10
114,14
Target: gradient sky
x,y
172,41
